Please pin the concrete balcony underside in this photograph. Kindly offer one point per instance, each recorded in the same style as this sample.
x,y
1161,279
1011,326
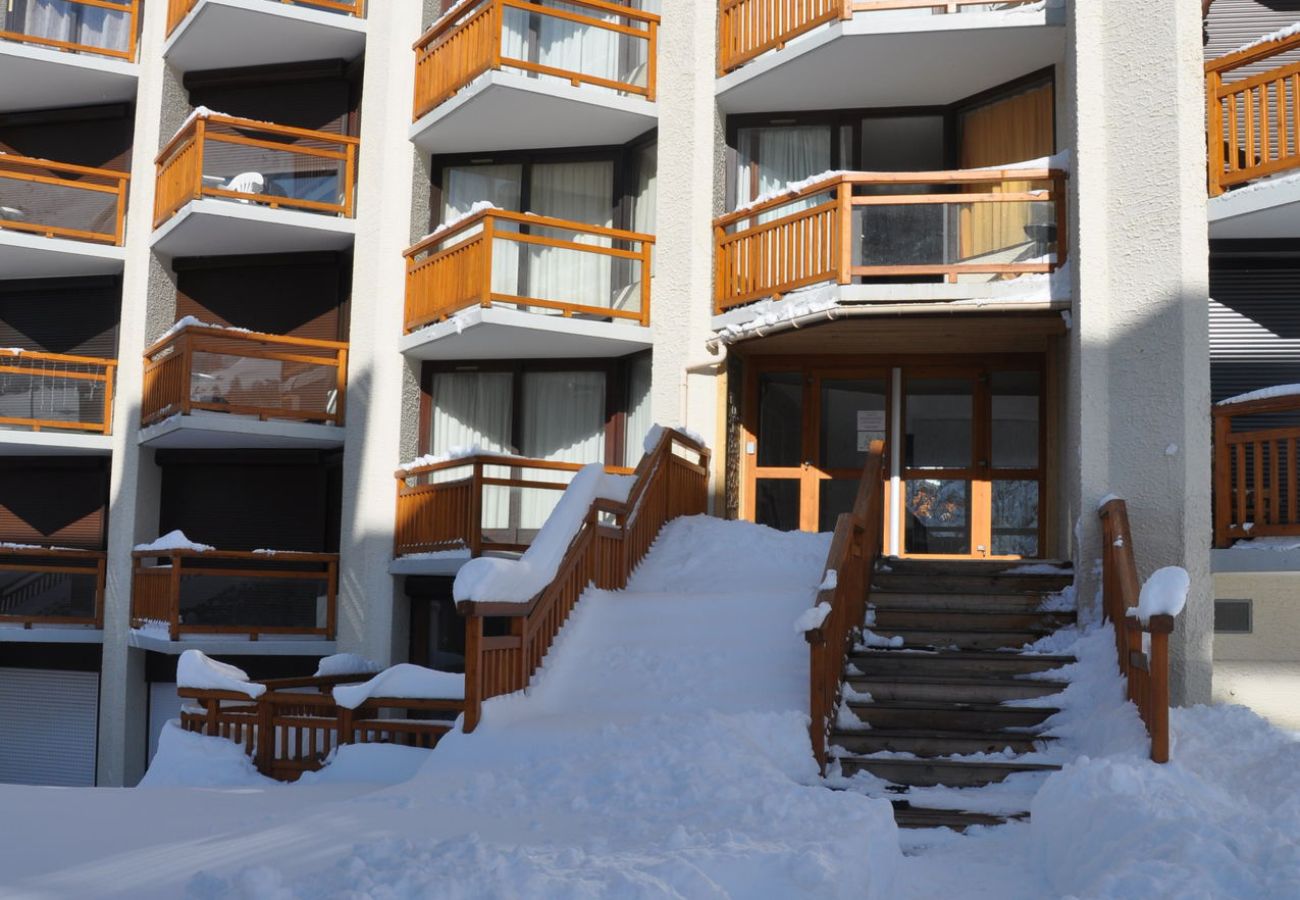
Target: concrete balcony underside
x,y
497,332
24,255
34,77
231,645
50,634
228,227
25,442
1269,208
884,59
225,431
240,33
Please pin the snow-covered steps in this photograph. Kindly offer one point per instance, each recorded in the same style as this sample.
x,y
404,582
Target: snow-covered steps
x,y
948,716
972,577
953,663
953,689
933,742
957,773
1003,603
940,638
953,618
908,816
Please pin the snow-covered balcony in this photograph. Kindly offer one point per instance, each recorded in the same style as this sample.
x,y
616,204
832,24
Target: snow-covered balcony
x,y
228,185
71,53
209,387
845,54
220,34
55,403
50,593
504,285
522,75
889,240
187,592
59,220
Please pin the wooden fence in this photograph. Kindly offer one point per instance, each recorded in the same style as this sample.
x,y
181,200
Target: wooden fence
x,y
470,39
56,391
218,156
295,725
1255,471
177,10
1143,649
854,548
54,199
51,586
244,373
670,481
130,34
462,266
1251,116
813,235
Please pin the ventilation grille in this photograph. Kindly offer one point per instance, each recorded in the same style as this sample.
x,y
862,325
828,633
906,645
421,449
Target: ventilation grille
x,y
1232,617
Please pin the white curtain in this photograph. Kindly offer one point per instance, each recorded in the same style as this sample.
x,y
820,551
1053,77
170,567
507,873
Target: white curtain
x,y
770,158
637,423
475,409
579,192
561,44
92,26
563,419
462,187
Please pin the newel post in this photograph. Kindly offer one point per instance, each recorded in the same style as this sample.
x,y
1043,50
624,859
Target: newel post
x,y
1158,724
1214,131
1222,480
473,671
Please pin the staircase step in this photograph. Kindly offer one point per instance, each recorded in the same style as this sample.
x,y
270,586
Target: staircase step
x,y
1002,603
955,663
969,639
973,619
908,816
973,583
920,565
932,772
955,690
968,717
933,742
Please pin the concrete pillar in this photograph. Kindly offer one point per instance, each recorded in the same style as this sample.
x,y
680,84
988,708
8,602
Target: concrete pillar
x,y
1138,381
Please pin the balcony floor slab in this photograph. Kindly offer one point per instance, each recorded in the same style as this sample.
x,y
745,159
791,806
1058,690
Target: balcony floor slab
x,y
223,431
50,634
22,442
1263,209
228,645
33,77
25,255
509,111
501,333
896,59
228,227
444,562
219,34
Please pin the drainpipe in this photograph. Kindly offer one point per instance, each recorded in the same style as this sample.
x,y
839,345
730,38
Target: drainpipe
x,y
719,351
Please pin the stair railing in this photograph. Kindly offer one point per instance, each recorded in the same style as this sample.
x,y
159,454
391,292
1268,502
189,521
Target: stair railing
x,y
670,481
1143,647
854,549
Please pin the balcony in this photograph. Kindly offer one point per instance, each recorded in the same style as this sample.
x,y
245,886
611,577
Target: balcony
x,y
225,388
230,593
896,238
60,220
518,284
215,34
1256,437
76,53
51,587
521,75
228,185
846,54
52,402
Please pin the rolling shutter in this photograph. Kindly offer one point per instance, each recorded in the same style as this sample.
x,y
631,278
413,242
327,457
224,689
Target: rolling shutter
x,y
48,722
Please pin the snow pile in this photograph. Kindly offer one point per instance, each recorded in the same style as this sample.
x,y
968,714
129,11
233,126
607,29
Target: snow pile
x,y
461,451
186,759
1279,35
173,540
346,664
193,321
519,580
410,682
1163,594
195,669
1276,544
812,618
1268,393
797,304
656,431
368,763
791,188
475,208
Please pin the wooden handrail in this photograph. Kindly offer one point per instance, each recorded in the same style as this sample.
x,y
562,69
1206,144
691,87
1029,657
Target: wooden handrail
x,y
177,10
171,379
467,41
130,7
452,269
1256,471
855,547
612,540
1142,648
180,164
1251,122
110,183
45,567
71,372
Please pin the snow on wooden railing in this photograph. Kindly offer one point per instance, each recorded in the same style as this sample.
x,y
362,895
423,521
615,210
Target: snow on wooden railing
x,y
1143,622
1256,492
670,481
832,624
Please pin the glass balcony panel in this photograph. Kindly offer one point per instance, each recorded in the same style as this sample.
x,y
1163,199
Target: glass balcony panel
x,y
249,601
35,595
72,25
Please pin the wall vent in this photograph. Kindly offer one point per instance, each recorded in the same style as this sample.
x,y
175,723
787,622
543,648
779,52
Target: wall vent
x,y
1232,617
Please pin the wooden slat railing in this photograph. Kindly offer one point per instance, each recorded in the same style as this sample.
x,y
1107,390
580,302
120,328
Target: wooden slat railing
x,y
670,481
478,35
121,45
1143,649
749,28
235,592
1252,115
55,199
1256,490
177,10
51,586
488,258
854,548
220,156
56,391
288,730
269,376
1004,226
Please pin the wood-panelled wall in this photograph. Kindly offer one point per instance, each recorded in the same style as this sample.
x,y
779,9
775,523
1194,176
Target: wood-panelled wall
x,y
299,295
77,316
54,500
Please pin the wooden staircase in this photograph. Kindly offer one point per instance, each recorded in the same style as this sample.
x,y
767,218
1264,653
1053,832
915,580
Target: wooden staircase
x,y
942,696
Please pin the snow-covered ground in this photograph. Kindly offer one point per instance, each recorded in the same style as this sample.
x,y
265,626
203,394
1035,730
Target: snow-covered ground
x,y
663,753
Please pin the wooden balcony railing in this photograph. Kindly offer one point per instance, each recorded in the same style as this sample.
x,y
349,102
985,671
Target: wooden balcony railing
x,y
244,373
56,199
256,162
177,10
671,481
234,592
750,28
1256,468
1143,648
854,548
1252,107
290,730
56,392
103,27
51,586
979,223
616,46
530,262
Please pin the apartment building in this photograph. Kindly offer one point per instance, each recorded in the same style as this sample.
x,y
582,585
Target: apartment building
x,y
345,292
